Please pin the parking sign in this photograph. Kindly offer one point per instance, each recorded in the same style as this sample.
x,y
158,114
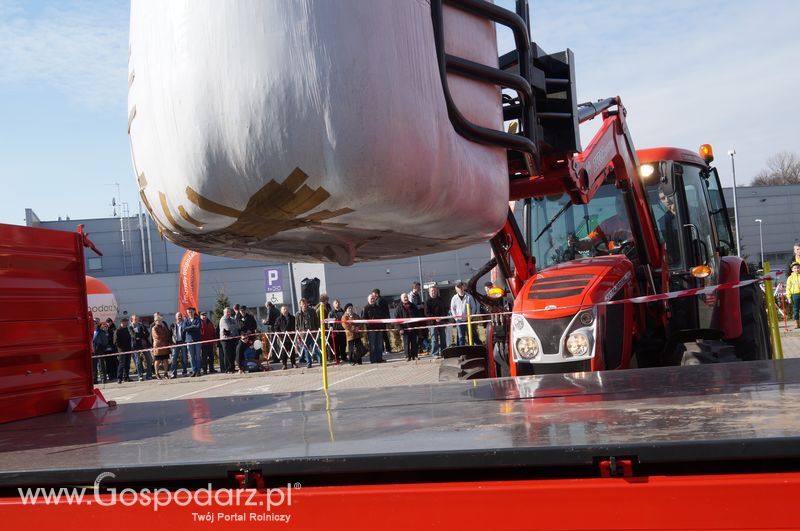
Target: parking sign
x,y
273,280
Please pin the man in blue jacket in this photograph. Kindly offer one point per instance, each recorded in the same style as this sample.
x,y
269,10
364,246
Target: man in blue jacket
x,y
192,333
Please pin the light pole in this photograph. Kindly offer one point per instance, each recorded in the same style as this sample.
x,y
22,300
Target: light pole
x,y
291,286
419,264
760,241
732,152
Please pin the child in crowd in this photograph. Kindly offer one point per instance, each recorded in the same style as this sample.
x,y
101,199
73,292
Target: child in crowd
x,y
793,292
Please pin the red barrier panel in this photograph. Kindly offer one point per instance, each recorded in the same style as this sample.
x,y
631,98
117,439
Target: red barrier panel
x,y
45,357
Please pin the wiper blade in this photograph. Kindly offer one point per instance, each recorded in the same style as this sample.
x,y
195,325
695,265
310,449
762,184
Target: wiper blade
x,y
550,223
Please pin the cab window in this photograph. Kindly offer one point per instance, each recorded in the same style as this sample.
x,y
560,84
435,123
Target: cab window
x,y
664,208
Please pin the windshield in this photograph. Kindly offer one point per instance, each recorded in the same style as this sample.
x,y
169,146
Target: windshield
x,y
580,231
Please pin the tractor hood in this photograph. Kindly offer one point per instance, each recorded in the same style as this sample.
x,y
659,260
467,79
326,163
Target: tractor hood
x,y
560,290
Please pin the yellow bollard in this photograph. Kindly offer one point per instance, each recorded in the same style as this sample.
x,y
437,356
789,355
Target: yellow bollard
x,y
323,348
772,317
469,324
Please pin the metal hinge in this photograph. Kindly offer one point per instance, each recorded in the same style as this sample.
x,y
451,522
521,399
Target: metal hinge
x,y
615,467
249,479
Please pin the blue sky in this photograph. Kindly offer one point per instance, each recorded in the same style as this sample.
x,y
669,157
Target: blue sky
x,y
719,72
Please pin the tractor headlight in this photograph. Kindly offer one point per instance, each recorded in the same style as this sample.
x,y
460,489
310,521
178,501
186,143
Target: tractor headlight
x,y
527,347
578,344
646,170
519,322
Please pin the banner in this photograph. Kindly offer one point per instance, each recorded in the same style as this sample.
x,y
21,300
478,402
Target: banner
x,y
102,302
189,281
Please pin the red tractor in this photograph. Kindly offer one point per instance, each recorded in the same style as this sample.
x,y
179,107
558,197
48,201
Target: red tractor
x,y
602,224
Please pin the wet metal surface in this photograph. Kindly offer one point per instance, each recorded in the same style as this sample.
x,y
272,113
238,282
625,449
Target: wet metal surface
x,y
724,411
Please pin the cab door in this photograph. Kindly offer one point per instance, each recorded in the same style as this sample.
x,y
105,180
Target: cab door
x,y
664,189
699,235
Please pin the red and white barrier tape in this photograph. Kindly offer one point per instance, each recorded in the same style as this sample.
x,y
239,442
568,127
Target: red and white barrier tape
x,y
206,341
397,320
477,318
708,290
691,292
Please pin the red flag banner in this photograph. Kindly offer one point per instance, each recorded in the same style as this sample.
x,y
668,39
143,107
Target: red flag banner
x,y
189,281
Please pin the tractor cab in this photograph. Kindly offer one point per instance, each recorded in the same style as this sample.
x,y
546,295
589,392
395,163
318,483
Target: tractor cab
x,y
691,220
692,224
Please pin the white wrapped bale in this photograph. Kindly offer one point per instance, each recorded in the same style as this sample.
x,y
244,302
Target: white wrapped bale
x,y
311,130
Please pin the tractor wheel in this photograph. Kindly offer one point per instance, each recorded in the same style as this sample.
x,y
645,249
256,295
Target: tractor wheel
x,y
754,342
463,363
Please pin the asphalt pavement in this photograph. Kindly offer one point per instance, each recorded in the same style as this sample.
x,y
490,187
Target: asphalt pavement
x,y
396,371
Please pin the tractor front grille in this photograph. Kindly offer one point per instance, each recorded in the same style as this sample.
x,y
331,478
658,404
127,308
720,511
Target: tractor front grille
x,y
550,332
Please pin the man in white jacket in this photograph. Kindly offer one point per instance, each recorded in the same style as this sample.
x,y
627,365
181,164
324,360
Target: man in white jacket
x,y
458,309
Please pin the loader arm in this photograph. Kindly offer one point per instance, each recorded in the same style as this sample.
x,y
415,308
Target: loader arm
x,y
611,151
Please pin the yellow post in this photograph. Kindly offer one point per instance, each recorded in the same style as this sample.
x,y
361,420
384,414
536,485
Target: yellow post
x,y
772,317
330,417
469,323
324,347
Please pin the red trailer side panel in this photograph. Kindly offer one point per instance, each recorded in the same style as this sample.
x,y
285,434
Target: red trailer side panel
x,y
45,357
740,501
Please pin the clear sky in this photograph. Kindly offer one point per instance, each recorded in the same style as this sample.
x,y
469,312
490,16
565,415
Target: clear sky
x,y
720,71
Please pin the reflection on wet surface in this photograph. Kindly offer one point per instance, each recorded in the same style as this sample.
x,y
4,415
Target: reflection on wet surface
x,y
566,416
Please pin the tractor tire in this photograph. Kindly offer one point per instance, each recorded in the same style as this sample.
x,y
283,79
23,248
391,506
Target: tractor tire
x,y
466,351
754,343
463,363
716,354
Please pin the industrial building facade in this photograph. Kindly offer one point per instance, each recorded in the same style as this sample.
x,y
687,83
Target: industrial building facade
x,y
778,208
141,267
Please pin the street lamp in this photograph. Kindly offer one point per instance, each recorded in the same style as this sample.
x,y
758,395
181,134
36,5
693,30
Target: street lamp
x,y
732,152
419,264
760,241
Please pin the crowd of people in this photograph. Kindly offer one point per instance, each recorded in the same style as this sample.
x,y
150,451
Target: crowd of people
x,y
237,342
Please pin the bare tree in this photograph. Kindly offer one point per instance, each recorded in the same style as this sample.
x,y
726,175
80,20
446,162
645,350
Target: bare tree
x,y
782,168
